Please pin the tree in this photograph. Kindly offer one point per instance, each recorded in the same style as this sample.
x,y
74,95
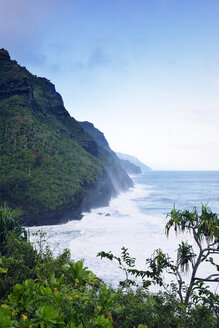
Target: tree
x,y
8,223
205,231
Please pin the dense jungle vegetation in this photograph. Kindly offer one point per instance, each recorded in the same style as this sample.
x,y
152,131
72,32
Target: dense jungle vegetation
x,y
40,290
49,166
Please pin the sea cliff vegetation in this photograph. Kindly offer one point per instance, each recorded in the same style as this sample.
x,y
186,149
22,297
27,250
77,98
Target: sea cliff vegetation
x,y
50,168
40,290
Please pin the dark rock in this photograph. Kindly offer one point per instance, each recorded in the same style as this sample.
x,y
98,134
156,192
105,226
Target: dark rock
x,y
4,55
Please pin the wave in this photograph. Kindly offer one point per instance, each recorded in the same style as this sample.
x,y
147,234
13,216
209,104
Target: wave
x,y
124,222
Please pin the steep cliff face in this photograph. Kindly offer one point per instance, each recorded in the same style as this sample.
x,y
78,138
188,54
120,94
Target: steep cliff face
x,y
50,167
129,167
97,134
117,174
135,161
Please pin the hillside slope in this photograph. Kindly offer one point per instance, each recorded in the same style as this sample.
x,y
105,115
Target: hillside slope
x,y
49,166
103,144
115,171
135,161
129,167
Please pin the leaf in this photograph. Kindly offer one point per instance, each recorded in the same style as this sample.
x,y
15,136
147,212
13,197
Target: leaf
x,y
47,312
5,318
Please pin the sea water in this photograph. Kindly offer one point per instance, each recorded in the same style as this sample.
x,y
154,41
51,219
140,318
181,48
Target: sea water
x,y
136,220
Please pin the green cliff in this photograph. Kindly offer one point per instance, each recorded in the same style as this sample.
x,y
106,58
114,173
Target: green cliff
x,y
111,162
50,168
122,165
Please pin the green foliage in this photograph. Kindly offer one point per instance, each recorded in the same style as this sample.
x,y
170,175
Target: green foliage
x,y
203,227
52,303
39,290
19,260
102,322
185,255
190,299
206,225
125,262
157,264
48,163
17,255
2,270
79,275
5,318
134,307
8,223
48,291
47,160
49,316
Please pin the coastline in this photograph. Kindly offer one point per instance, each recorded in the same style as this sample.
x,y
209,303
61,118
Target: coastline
x,y
95,197
122,223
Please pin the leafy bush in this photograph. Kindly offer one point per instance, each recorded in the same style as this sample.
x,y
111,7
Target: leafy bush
x,y
8,223
19,259
39,290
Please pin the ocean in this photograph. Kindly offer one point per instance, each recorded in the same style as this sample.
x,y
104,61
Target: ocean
x,y
136,220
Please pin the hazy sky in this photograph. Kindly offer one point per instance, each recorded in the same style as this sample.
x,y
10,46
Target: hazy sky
x,y
145,72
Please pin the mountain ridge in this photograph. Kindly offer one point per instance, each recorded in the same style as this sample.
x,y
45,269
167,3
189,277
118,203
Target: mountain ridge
x,y
109,157
50,168
134,160
99,137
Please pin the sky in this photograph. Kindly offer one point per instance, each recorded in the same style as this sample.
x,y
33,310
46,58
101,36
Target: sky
x,y
144,72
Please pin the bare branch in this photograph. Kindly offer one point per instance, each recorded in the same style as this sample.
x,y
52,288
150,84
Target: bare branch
x,y
196,239
209,280
214,252
208,249
213,275
180,283
214,243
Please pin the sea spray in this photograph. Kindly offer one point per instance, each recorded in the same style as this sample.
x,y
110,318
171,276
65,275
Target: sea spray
x,y
136,220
